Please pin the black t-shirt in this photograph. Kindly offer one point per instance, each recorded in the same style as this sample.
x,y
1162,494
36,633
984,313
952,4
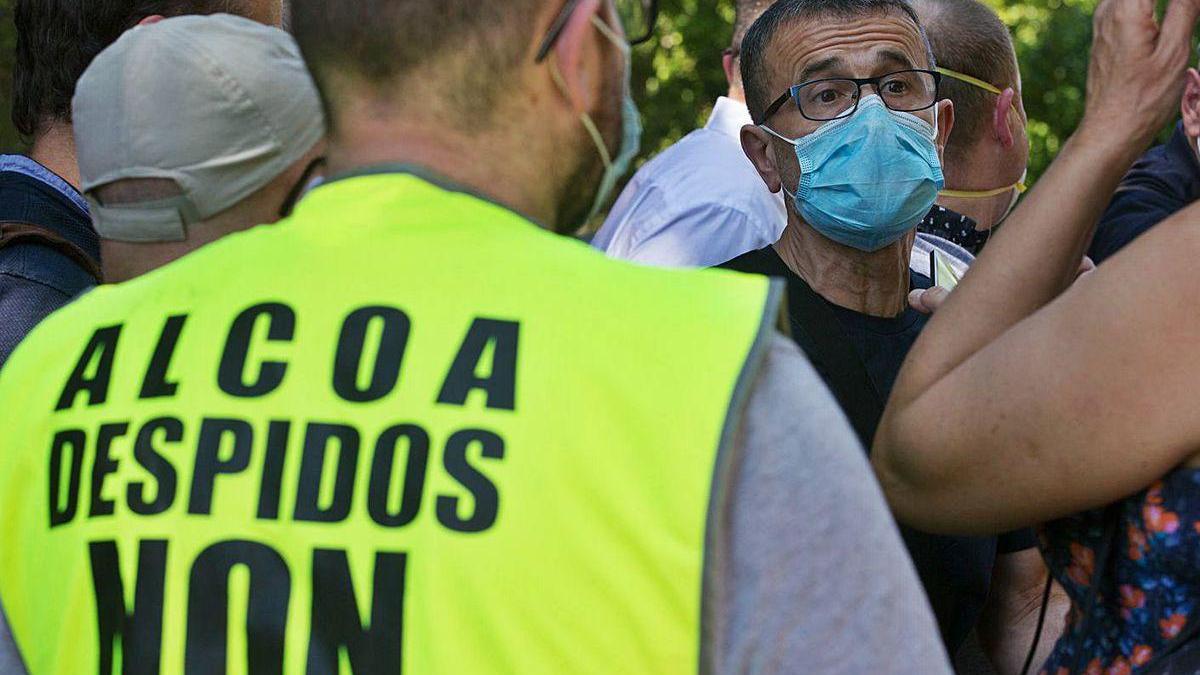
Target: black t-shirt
x,y
956,571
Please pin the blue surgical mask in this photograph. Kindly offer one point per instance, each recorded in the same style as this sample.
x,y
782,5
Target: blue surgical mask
x,y
631,129
868,179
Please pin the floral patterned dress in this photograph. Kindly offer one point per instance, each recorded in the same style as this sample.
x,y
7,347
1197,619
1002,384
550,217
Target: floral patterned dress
x,y
1150,589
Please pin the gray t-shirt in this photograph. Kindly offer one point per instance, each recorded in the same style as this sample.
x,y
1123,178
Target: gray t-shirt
x,y
807,568
812,575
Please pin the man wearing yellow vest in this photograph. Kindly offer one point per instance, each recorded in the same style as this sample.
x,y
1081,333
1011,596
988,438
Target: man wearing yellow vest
x,y
409,430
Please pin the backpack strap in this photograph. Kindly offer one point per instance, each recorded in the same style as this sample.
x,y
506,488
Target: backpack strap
x,y
15,232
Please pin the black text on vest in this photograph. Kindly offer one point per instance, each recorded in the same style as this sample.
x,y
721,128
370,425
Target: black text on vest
x,y
316,468
366,365
335,626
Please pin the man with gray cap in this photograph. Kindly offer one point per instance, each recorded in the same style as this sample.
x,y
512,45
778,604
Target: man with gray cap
x,y
49,252
254,131
187,130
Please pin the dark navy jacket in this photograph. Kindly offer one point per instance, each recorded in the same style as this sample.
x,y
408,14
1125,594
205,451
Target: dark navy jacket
x,y
35,280
1162,182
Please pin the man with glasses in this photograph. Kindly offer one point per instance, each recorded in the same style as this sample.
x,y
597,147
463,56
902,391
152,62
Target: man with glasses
x,y
49,252
430,435
850,127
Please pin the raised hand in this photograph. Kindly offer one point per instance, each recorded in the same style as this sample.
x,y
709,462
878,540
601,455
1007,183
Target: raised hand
x,y
1137,68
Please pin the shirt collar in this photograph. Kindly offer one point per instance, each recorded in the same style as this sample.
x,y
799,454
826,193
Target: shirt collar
x,y
31,193
728,117
28,167
1183,146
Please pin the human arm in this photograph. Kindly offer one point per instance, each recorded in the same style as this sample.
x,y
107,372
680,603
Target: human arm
x,y
929,300
1010,618
811,574
1072,390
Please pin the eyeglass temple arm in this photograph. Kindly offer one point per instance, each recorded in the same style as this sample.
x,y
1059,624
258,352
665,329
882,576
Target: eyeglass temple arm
x,y
774,107
556,30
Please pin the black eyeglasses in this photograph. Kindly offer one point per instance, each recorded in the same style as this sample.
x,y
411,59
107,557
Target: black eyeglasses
x,y
838,97
638,18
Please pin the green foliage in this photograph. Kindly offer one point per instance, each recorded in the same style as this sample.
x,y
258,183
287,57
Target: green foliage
x,y
678,77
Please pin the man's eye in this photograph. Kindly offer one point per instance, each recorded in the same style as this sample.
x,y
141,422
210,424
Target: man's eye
x,y
896,87
826,96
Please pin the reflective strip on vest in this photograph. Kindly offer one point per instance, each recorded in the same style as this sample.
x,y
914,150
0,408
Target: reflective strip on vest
x,y
404,430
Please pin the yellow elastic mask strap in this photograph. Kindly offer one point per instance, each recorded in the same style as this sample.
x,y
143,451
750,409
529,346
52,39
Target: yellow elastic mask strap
x,y
975,81
983,194
970,80
585,118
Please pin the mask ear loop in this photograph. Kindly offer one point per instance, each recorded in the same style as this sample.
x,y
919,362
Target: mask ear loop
x,y
982,194
790,142
609,33
936,131
584,118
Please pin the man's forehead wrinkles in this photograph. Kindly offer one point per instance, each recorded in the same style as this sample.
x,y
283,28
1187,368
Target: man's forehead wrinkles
x,y
808,41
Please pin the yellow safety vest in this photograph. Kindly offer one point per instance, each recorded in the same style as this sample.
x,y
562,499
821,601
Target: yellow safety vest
x,y
405,429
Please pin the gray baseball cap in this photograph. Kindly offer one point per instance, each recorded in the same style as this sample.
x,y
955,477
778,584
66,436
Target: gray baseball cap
x,y
219,104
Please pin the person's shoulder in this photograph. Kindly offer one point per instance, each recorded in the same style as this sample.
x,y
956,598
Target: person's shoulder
x,y
705,159
572,251
1169,169
208,271
663,287
763,261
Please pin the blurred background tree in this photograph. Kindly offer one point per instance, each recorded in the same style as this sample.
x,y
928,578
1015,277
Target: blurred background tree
x,y
679,76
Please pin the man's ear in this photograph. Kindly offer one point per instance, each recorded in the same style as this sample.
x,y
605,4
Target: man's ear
x,y
576,56
945,120
729,61
1000,116
1190,107
757,145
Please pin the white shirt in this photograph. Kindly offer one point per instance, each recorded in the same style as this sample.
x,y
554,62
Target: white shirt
x,y
959,258
698,204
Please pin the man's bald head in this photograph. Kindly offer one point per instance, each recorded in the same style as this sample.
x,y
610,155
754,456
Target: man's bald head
x,y
967,37
461,49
